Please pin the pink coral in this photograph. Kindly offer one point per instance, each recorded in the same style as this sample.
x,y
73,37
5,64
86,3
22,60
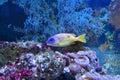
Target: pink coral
x,y
82,64
74,68
93,76
72,55
82,61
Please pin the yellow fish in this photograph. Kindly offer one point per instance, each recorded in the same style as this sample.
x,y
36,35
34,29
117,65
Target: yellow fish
x,y
104,46
64,39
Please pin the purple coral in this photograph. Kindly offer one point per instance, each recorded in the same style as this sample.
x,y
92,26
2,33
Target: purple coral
x,y
47,64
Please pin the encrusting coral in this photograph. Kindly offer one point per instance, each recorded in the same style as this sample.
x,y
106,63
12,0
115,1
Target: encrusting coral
x,y
43,63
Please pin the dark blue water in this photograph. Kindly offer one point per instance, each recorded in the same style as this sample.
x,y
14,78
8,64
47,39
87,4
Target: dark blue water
x,y
11,15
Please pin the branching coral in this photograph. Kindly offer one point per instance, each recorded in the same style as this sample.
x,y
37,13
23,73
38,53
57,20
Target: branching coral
x,y
78,22
48,18
41,18
81,22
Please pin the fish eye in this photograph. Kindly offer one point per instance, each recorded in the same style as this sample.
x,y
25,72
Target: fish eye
x,y
51,40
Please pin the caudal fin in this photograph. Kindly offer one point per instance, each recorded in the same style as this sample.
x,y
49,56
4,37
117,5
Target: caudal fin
x,y
81,38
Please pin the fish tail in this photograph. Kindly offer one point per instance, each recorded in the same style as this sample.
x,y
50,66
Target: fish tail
x,y
81,38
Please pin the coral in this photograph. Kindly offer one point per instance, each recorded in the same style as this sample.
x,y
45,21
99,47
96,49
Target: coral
x,y
114,9
78,22
43,63
111,63
41,19
114,6
46,19
115,20
11,50
31,66
8,52
80,62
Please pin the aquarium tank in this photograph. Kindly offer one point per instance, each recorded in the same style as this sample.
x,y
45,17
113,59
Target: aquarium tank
x,y
59,39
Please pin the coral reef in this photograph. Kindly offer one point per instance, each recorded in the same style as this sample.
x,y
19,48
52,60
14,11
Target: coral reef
x,y
42,63
31,66
47,18
32,60
111,63
115,20
11,50
41,19
114,9
114,6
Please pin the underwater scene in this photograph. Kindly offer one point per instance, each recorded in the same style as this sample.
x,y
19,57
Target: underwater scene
x,y
59,39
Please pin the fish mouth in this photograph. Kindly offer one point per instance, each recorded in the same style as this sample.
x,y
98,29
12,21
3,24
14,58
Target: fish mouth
x,y
48,44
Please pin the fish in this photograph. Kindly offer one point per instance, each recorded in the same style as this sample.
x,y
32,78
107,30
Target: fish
x,y
104,46
65,39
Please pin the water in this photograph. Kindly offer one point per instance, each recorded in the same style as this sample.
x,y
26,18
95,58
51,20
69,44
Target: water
x,y
109,60
37,20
